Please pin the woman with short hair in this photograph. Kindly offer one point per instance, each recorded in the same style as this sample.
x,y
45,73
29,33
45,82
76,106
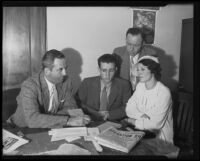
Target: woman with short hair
x,y
150,107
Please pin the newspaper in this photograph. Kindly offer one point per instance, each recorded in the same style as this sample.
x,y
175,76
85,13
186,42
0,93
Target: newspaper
x,y
120,140
11,142
107,125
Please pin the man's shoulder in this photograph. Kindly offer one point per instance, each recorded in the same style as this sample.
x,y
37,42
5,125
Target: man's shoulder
x,y
121,81
91,79
149,50
31,81
119,50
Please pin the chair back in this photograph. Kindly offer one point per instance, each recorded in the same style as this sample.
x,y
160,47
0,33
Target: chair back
x,y
9,103
184,117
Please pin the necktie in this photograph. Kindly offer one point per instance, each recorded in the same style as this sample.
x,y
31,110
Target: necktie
x,y
104,100
133,73
54,100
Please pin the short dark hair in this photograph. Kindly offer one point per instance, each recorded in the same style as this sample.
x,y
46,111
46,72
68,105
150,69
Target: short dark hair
x,y
49,57
154,67
107,58
135,31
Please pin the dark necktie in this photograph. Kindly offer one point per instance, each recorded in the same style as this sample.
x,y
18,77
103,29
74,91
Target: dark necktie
x,y
104,100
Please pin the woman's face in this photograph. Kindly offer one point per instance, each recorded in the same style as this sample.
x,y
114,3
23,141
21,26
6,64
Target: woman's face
x,y
144,74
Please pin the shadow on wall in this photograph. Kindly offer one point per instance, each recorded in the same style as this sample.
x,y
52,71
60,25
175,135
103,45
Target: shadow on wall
x,y
74,62
169,67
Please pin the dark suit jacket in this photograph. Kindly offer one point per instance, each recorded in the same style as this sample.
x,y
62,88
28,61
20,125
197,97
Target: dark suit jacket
x,y
123,59
89,97
33,103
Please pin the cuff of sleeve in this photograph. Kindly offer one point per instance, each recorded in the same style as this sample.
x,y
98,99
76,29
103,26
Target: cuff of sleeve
x,y
139,124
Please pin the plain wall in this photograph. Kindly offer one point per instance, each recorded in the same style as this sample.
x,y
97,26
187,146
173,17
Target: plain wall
x,y
168,37
85,33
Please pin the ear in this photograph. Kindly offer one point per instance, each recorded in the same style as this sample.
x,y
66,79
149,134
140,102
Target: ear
x,y
47,71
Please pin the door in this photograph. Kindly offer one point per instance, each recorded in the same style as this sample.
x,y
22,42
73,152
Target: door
x,y
186,57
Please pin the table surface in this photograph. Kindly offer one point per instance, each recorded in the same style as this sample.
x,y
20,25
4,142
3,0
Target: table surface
x,y
40,141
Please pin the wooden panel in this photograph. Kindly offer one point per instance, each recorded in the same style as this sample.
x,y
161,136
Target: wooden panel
x,y
24,43
16,55
38,37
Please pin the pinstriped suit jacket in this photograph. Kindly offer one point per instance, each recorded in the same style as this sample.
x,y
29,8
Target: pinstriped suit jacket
x,y
33,102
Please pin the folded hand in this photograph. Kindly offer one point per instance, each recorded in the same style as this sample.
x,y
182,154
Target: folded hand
x,y
104,114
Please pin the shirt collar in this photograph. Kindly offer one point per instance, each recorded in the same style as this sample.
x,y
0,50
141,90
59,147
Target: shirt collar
x,y
49,84
103,85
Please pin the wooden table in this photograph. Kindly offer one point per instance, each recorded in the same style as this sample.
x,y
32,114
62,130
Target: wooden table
x,y
40,141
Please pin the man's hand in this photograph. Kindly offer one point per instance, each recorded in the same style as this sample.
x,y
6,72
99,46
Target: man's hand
x,y
145,116
104,114
87,119
78,121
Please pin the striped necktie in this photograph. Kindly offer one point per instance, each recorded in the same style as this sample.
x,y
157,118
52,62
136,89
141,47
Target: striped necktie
x,y
104,100
54,100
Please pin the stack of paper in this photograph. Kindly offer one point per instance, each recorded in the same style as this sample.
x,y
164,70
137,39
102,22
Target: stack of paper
x,y
107,125
68,134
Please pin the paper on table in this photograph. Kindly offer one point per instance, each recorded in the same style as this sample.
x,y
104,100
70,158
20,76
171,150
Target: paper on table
x,y
65,149
81,131
11,142
72,138
107,125
91,133
67,133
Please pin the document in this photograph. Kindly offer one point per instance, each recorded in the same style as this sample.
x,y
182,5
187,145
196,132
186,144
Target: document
x,y
11,142
68,134
107,125
120,140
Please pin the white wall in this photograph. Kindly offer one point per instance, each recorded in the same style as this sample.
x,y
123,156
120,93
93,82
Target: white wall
x,y
168,37
90,32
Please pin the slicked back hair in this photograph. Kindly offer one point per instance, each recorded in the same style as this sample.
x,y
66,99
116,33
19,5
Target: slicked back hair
x,y
49,57
135,31
107,58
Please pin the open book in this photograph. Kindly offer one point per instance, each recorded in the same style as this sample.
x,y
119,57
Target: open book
x,y
119,140
11,142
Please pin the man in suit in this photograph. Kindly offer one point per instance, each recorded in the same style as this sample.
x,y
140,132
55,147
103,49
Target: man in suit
x,y
45,98
127,56
104,97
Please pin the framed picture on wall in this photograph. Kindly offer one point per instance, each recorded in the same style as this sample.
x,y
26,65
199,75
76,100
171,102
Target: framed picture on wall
x,y
145,19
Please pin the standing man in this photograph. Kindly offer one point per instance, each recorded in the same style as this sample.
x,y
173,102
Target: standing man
x,y
104,97
45,98
127,56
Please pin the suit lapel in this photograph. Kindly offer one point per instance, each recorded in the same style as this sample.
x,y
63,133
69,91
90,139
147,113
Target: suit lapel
x,y
113,93
45,92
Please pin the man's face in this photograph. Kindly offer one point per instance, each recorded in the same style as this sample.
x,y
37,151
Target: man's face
x,y
134,43
58,72
107,72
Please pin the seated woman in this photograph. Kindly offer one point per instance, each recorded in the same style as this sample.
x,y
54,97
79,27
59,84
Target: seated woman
x,y
150,107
